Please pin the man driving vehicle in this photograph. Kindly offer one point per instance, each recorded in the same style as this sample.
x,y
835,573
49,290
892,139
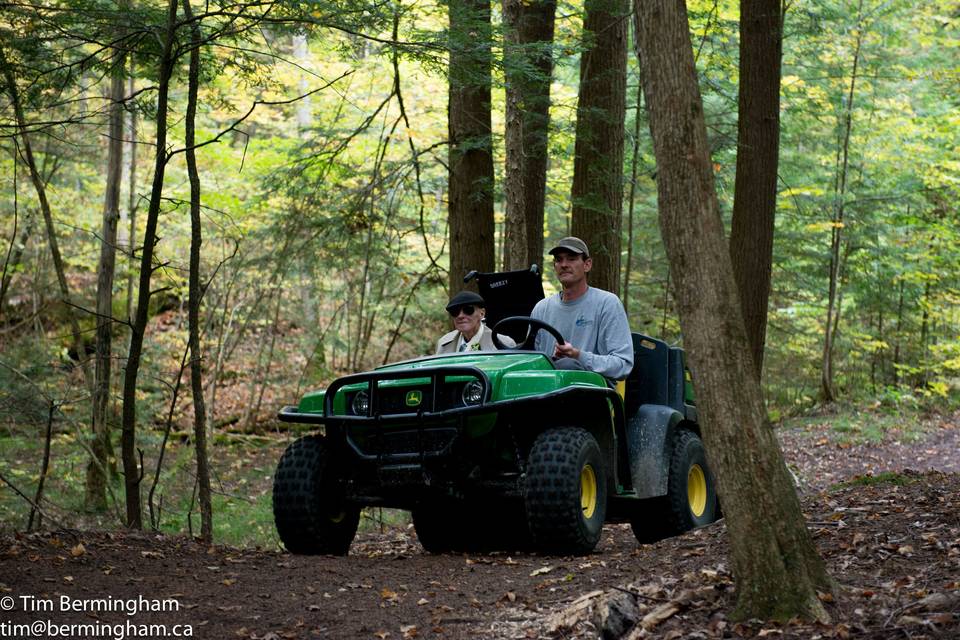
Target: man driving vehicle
x,y
592,320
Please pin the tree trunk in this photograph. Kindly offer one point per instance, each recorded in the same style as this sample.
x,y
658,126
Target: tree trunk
x,y
131,199
471,151
876,359
922,378
301,53
128,441
27,154
265,382
44,468
95,496
257,376
224,327
193,307
155,511
827,392
774,561
898,334
17,245
634,164
15,255
528,69
758,144
597,194
364,290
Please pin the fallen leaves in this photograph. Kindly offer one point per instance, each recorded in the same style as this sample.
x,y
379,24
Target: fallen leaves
x,y
389,595
578,611
895,541
938,602
897,557
660,614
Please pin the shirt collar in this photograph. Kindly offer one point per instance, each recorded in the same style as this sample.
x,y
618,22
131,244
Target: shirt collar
x,y
474,343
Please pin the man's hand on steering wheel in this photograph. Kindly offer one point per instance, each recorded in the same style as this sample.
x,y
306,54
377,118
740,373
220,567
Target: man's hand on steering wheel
x,y
533,327
566,350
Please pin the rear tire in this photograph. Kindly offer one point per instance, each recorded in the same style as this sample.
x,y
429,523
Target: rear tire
x,y
566,491
692,493
691,499
309,506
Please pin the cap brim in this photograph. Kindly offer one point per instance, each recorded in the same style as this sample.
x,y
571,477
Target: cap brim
x,y
565,248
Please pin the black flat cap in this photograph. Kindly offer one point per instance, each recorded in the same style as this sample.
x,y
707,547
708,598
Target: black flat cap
x,y
466,297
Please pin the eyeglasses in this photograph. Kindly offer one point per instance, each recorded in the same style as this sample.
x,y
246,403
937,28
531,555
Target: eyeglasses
x,y
467,309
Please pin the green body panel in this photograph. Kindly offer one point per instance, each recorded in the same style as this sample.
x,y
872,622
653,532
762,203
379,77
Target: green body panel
x,y
515,385
511,375
312,402
489,362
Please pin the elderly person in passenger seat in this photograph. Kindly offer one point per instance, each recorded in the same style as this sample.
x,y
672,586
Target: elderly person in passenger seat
x,y
468,310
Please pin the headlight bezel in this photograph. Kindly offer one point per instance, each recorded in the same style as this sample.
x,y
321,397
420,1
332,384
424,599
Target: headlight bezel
x,y
472,393
363,399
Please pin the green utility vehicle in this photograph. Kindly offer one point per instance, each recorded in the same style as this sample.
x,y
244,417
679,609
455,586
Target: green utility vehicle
x,y
498,449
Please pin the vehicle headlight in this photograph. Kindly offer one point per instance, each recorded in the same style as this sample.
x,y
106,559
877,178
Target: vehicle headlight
x,y
361,404
472,393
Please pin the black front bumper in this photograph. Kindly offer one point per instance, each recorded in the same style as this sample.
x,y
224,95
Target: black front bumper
x,y
391,436
402,458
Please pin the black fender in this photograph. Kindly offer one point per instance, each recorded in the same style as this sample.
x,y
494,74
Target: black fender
x,y
587,407
649,436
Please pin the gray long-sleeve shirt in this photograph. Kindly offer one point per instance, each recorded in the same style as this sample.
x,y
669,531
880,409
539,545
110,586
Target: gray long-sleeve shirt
x,y
596,324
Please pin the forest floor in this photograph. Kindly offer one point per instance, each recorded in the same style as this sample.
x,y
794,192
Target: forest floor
x,y
883,508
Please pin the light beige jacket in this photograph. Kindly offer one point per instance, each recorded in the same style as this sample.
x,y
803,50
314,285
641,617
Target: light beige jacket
x,y
448,343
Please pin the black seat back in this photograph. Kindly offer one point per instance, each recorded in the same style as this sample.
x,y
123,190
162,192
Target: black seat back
x,y
678,380
509,293
649,378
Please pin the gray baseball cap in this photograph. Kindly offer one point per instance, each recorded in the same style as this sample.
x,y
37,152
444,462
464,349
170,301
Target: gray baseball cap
x,y
573,245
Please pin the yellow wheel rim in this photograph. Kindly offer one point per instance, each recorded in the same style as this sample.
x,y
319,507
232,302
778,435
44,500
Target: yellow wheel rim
x,y
588,491
338,517
697,490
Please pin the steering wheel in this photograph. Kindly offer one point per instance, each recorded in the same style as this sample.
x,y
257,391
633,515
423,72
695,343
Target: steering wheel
x,y
533,328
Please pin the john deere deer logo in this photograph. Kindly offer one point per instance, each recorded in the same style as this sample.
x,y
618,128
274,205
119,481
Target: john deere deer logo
x,y
414,398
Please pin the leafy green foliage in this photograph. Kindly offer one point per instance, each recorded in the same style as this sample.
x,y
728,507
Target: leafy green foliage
x,y
887,477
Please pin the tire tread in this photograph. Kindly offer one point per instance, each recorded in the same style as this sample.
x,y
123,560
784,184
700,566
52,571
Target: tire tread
x,y
301,492
553,491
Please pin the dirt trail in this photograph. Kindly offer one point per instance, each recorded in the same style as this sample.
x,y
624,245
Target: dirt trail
x,y
894,548
821,458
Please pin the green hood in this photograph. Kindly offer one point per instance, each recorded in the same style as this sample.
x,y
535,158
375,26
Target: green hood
x,y
511,374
